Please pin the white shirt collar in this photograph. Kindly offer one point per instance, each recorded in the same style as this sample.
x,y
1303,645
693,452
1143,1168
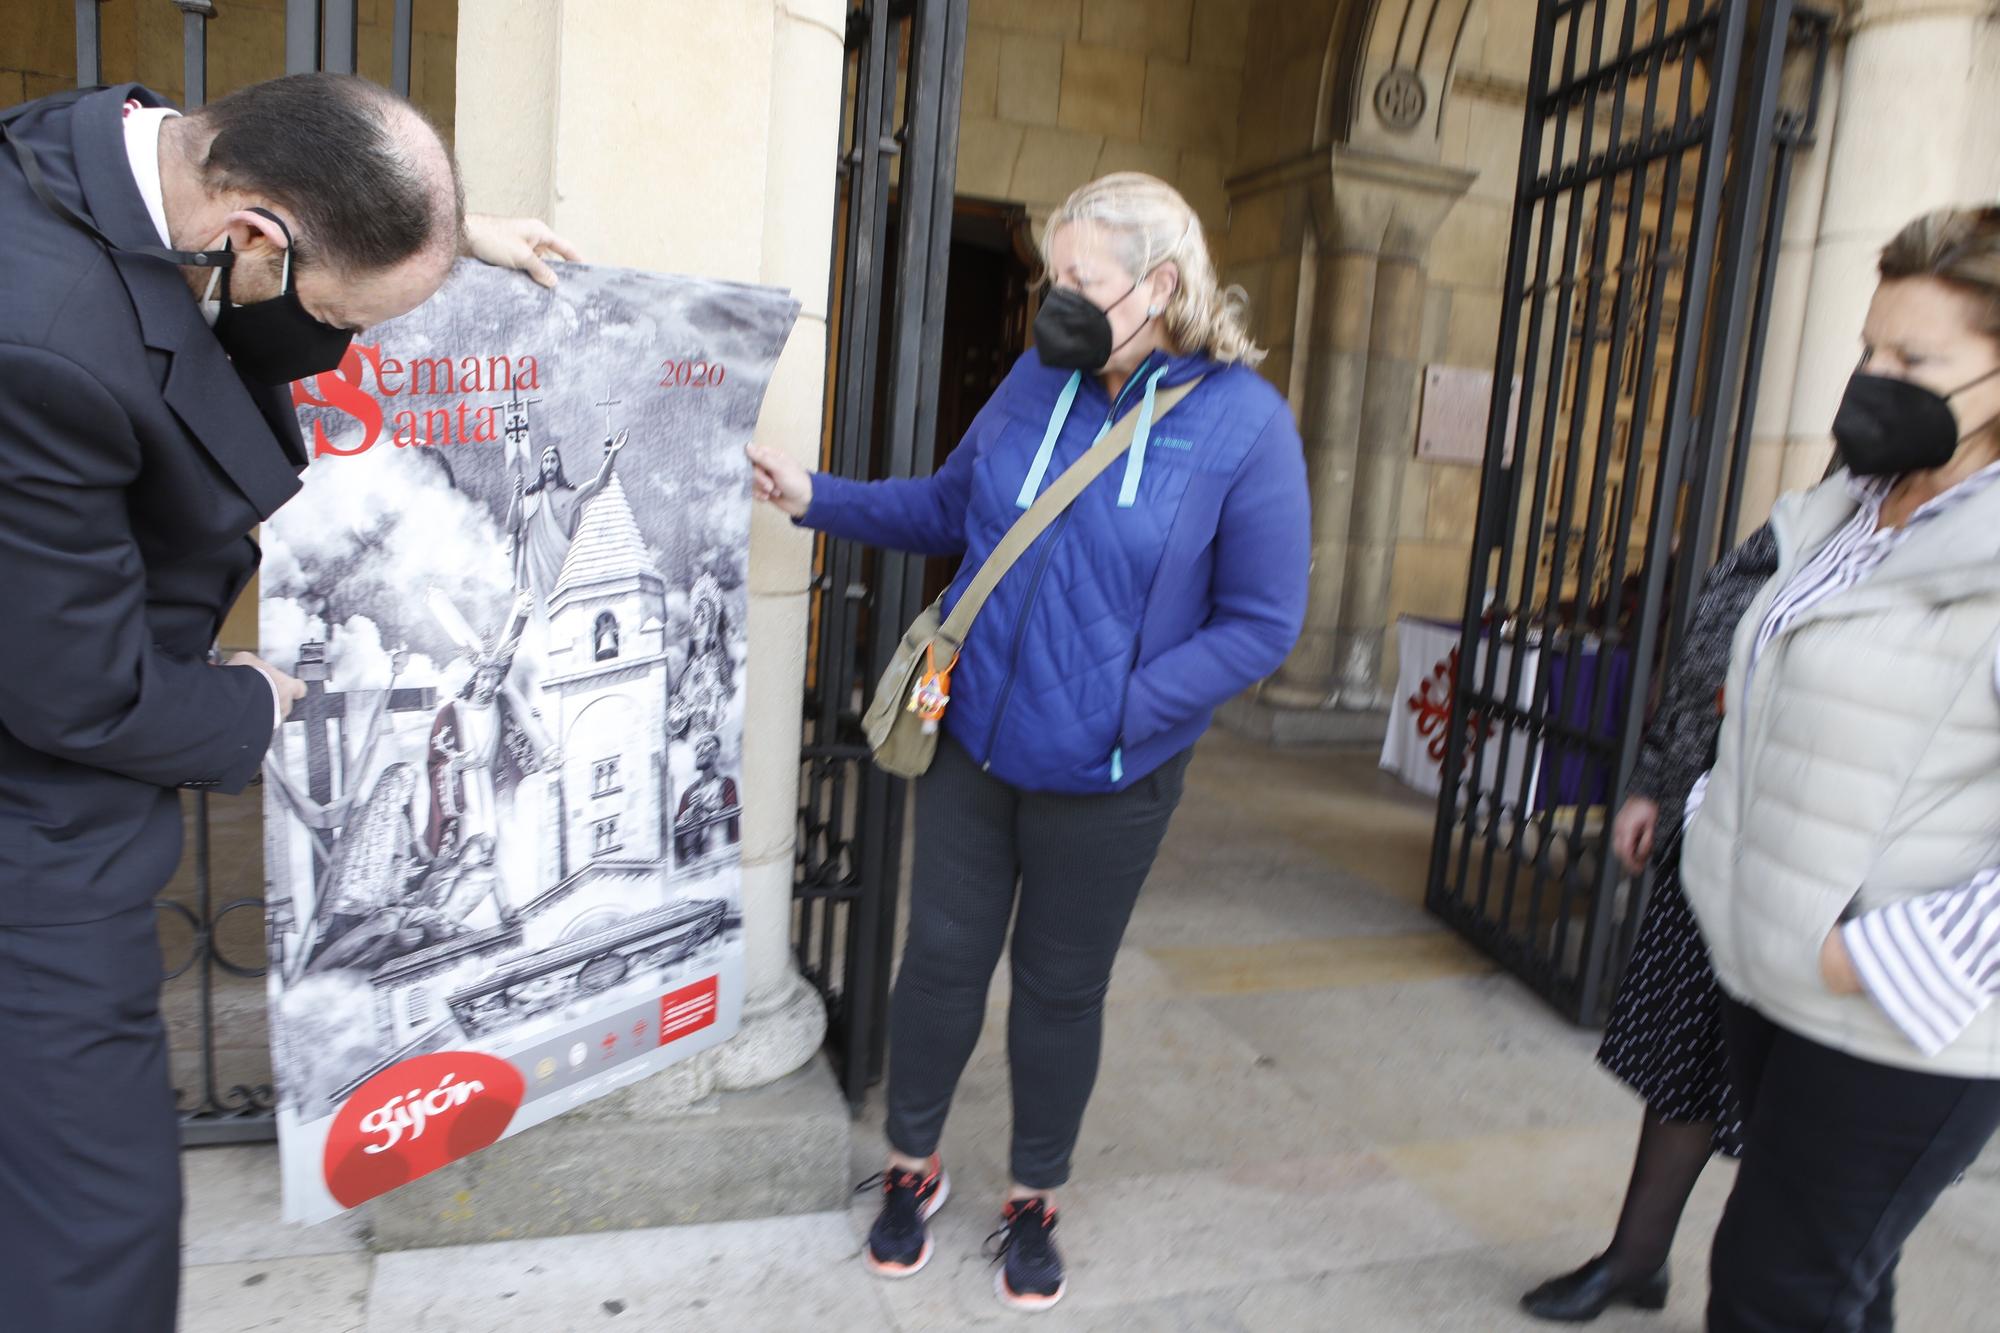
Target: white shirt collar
x,y
142,147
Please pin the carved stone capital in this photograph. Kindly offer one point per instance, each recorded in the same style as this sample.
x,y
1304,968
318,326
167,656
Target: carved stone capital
x,y
1387,205
1359,200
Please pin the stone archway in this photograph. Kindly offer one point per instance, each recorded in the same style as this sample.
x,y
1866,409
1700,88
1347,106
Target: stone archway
x,y
1389,76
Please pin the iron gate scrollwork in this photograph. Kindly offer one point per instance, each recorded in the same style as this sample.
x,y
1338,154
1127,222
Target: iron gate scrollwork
x,y
212,932
898,155
1653,177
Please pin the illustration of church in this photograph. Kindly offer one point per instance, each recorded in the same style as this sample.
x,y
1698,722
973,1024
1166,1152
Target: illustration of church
x,y
609,690
636,817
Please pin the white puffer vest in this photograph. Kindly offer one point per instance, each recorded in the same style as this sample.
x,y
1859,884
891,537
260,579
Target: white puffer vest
x,y
1860,767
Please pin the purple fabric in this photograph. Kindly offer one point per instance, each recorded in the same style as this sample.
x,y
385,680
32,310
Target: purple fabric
x,y
1571,774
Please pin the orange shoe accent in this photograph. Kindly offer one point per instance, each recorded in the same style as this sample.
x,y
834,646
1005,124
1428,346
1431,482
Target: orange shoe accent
x,y
892,1271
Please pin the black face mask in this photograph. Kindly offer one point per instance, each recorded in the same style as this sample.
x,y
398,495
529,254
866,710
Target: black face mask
x,y
1073,334
275,342
1886,427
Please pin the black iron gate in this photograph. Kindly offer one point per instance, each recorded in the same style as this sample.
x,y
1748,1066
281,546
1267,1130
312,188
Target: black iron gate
x,y
887,308
212,935
1653,178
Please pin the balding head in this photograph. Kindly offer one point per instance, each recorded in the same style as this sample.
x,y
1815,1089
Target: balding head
x,y
365,184
368,181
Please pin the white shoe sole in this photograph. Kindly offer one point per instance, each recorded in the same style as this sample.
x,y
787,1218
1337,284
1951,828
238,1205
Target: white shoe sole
x,y
897,1272
1025,1304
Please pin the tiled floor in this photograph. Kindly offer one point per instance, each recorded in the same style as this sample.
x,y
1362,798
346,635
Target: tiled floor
x,y
1317,1111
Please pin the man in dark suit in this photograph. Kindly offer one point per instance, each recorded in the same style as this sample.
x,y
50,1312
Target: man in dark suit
x,y
164,277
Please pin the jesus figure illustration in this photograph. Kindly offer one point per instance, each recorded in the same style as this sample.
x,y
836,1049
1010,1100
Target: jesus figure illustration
x,y
543,518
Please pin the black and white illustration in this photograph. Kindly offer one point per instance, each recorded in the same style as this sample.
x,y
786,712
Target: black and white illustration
x,y
506,817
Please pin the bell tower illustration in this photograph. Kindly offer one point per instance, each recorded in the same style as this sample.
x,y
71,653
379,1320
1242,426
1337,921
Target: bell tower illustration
x,y
610,679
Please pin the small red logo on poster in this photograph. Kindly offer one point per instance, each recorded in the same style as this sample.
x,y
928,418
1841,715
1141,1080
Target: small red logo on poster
x,y
687,1010
414,1117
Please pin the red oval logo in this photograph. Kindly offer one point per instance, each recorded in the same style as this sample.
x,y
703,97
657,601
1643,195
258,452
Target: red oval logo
x,y
414,1117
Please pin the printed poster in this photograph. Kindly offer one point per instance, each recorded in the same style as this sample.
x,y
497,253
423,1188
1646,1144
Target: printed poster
x,y
502,831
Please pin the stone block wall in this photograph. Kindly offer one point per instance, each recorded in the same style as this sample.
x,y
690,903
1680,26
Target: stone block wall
x,y
38,49
142,41
1285,61
1058,92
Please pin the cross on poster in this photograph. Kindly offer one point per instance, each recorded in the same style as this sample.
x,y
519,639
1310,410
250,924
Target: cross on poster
x,y
502,829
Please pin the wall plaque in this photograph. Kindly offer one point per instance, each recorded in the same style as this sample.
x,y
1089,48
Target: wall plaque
x,y
1452,425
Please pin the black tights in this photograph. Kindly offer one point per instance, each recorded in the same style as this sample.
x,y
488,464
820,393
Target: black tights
x,y
1670,1159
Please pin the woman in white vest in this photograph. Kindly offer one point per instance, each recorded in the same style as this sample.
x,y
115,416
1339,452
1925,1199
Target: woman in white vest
x,y
1843,856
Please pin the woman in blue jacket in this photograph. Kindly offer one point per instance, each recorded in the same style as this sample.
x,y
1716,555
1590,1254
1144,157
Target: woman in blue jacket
x,y
1176,580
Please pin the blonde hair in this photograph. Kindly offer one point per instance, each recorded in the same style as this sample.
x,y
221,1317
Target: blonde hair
x,y
1959,247
1148,224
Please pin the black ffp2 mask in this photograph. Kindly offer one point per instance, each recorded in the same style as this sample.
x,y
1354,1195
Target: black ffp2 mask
x,y
276,341
1071,333
1888,426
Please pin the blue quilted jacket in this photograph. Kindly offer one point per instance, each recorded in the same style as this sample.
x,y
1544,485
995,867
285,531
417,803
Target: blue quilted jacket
x,y
1176,580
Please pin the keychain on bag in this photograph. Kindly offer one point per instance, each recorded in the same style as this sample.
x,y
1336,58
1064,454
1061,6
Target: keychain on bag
x,y
932,691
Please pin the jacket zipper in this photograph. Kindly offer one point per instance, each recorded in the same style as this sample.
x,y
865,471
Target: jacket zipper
x,y
1034,590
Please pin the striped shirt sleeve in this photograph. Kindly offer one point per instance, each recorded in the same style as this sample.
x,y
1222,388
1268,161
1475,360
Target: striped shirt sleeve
x,y
1932,963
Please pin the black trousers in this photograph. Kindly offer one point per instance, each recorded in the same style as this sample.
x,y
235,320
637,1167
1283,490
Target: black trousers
x,y
90,1183
1078,863
1841,1159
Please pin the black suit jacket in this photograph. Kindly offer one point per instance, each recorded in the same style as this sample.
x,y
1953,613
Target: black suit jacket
x,y
134,461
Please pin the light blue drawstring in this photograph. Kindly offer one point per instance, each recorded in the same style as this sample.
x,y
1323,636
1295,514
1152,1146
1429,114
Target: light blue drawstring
x,y
1135,461
1033,485
1117,765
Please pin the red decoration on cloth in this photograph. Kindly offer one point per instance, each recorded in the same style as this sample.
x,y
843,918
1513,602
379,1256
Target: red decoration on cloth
x,y
1434,710
415,1117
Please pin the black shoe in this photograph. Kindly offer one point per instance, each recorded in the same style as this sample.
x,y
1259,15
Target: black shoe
x,y
1579,1297
899,1243
1031,1271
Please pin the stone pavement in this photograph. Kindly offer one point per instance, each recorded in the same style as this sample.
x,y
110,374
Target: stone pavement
x,y
1317,1111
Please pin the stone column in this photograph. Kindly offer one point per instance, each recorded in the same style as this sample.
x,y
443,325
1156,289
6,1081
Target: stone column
x,y
1790,290
1895,155
1388,412
725,169
1330,423
691,139
1371,218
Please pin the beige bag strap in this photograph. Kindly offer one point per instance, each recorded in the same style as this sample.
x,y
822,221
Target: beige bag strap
x,y
1047,507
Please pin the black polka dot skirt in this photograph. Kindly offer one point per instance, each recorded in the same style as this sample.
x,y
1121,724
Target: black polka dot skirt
x,y
1664,1036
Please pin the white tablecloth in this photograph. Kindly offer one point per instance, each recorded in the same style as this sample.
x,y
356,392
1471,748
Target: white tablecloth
x,y
1420,713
